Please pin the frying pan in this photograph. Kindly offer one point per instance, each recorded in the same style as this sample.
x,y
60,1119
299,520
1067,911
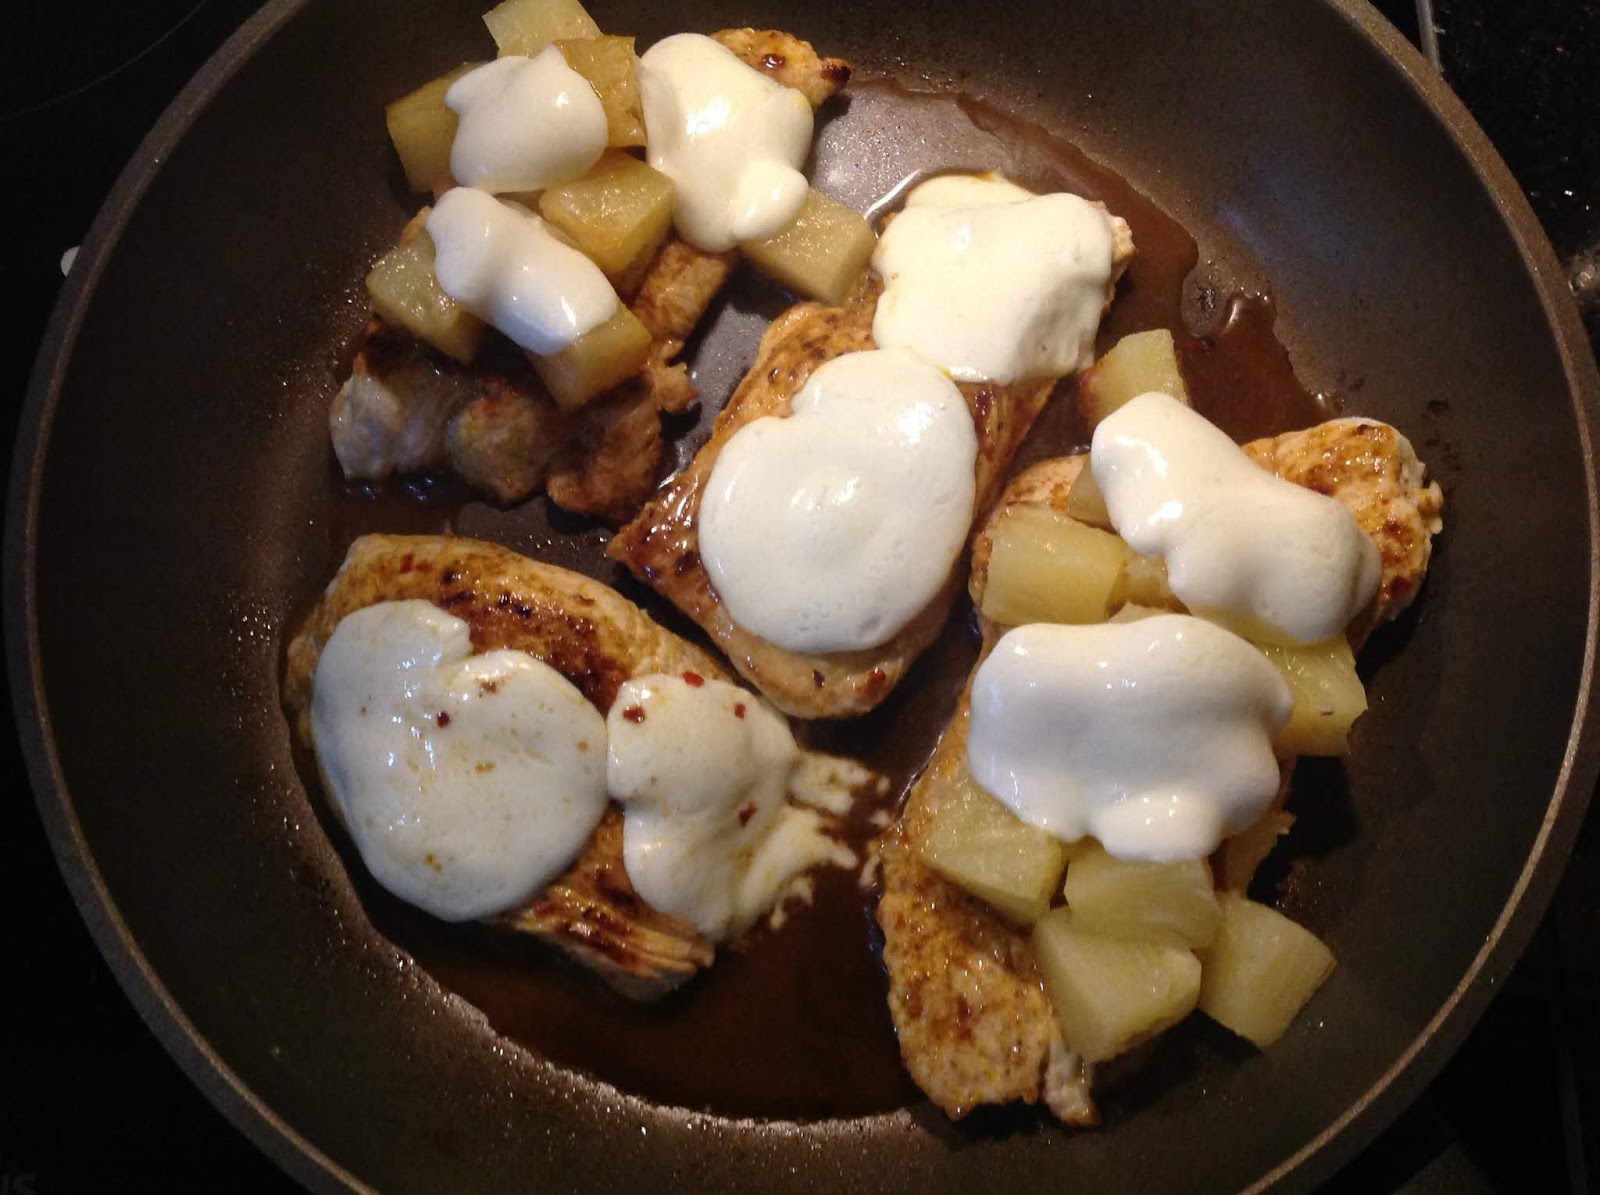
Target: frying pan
x,y
167,519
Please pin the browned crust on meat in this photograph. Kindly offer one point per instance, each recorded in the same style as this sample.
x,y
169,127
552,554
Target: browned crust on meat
x,y
594,637
790,61
661,545
594,915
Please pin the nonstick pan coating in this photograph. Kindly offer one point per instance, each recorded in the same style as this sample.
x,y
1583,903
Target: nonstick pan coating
x,y
165,526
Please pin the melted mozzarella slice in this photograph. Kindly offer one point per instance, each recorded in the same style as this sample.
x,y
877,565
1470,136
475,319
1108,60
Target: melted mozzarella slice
x,y
1154,736
832,528
731,140
704,772
1272,560
526,124
992,283
468,782
502,262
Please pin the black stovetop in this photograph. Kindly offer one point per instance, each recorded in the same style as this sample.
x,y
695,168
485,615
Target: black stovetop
x,y
90,1101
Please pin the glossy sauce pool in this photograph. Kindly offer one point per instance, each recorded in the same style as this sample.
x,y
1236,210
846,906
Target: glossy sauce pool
x,y
795,1024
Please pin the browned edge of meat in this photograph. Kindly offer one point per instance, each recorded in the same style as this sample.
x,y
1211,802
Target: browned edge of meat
x,y
594,637
974,1024
408,408
1375,473
790,61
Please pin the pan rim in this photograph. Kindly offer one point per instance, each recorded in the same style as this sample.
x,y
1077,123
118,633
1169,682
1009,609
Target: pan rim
x,y
1315,1160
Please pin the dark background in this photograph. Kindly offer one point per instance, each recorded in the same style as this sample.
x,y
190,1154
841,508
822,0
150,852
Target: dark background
x,y
90,1101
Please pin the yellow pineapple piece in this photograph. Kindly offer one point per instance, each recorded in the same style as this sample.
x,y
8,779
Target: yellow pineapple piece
x,y
821,254
1136,364
978,844
618,213
1260,970
528,26
1085,502
1170,903
1046,567
423,130
1144,583
611,68
1110,994
1328,695
406,292
595,362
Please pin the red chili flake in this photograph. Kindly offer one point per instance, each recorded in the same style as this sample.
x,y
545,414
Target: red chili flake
x,y
693,679
738,710
634,713
443,719
745,814
772,61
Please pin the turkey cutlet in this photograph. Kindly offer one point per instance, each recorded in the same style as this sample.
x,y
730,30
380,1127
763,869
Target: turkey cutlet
x,y
661,545
968,1004
595,638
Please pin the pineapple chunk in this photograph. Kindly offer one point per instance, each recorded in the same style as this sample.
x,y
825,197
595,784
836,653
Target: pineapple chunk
x,y
609,65
1260,970
821,254
1136,365
406,292
528,26
981,846
1328,695
1110,994
619,213
1046,567
423,130
1145,583
595,362
1085,502
1169,903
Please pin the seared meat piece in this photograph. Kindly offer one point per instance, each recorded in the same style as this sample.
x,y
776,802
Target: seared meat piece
x,y
790,61
596,639
593,913
497,427
661,545
974,1024
1373,470
391,413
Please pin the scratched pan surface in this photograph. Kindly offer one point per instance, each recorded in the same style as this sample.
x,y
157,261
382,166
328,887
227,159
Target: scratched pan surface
x,y
168,517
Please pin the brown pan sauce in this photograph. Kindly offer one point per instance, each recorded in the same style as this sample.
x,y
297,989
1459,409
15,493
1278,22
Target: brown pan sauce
x,y
795,1024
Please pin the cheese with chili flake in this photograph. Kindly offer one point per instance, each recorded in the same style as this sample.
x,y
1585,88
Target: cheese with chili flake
x,y
710,781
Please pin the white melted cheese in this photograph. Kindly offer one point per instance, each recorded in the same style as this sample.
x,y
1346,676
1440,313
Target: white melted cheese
x,y
704,772
992,283
831,528
468,782
502,262
731,140
1272,560
1154,736
526,124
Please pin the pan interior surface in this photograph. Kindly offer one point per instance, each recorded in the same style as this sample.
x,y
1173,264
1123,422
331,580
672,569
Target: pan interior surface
x,y
178,524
